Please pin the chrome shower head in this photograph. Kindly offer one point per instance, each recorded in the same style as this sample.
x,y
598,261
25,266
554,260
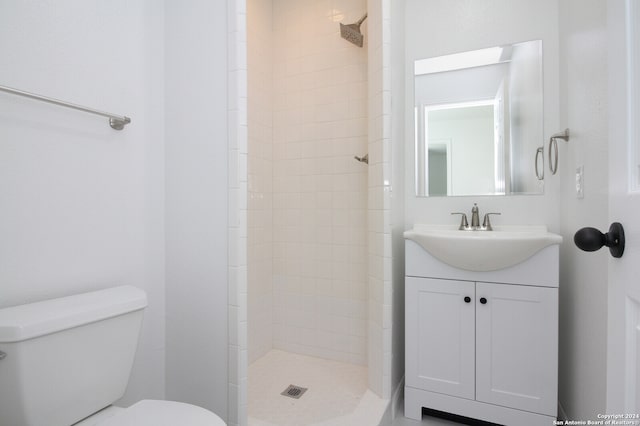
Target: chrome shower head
x,y
352,32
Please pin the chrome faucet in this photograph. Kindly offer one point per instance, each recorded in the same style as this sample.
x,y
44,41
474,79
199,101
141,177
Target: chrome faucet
x,y
486,223
475,216
475,220
464,223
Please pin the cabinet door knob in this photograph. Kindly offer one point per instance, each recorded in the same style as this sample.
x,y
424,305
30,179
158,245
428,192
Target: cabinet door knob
x,y
467,299
483,300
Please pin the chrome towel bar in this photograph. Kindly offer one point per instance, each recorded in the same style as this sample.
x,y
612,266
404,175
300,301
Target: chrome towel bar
x,y
117,122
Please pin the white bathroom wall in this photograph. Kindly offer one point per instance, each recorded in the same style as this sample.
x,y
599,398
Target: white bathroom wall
x,y
438,27
319,190
197,194
82,204
583,283
260,170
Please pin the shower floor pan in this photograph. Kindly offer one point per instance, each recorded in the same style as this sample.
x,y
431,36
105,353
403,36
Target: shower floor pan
x,y
336,394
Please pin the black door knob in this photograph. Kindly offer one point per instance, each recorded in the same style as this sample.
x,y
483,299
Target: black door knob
x,y
483,300
467,299
591,239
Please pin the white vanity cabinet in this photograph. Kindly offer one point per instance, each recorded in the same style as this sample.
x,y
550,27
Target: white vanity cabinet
x,y
482,344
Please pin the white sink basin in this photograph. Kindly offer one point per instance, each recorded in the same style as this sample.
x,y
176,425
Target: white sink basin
x,y
501,248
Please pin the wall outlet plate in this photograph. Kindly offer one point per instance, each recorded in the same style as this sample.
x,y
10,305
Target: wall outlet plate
x,y
580,182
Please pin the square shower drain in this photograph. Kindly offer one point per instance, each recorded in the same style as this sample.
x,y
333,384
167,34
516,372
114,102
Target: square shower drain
x,y
294,391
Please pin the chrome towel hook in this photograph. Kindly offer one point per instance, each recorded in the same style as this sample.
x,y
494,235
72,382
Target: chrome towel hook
x,y
553,141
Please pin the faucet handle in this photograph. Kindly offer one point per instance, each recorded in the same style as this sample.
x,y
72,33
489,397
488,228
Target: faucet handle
x,y
486,223
464,223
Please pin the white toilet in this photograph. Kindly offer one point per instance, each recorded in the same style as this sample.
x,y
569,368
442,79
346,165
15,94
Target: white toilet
x,y
65,360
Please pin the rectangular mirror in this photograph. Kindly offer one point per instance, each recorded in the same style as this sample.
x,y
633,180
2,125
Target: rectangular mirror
x,y
478,122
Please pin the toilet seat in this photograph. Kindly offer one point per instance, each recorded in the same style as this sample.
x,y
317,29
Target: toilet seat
x,y
150,412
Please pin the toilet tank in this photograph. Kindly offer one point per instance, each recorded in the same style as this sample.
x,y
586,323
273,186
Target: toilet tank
x,y
64,359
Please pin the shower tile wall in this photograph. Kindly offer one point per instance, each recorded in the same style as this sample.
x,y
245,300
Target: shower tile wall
x,y
319,190
260,171
238,104
381,291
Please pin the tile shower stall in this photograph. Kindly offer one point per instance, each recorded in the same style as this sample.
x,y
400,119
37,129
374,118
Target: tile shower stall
x,y
307,211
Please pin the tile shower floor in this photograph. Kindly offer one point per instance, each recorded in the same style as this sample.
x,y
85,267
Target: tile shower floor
x,y
337,392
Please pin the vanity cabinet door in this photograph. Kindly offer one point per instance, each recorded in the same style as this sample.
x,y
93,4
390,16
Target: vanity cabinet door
x,y
517,346
440,336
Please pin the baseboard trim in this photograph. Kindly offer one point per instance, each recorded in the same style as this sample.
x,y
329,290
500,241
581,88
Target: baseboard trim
x,y
415,399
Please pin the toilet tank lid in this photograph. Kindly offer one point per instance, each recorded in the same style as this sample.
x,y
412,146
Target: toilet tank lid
x,y
23,322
